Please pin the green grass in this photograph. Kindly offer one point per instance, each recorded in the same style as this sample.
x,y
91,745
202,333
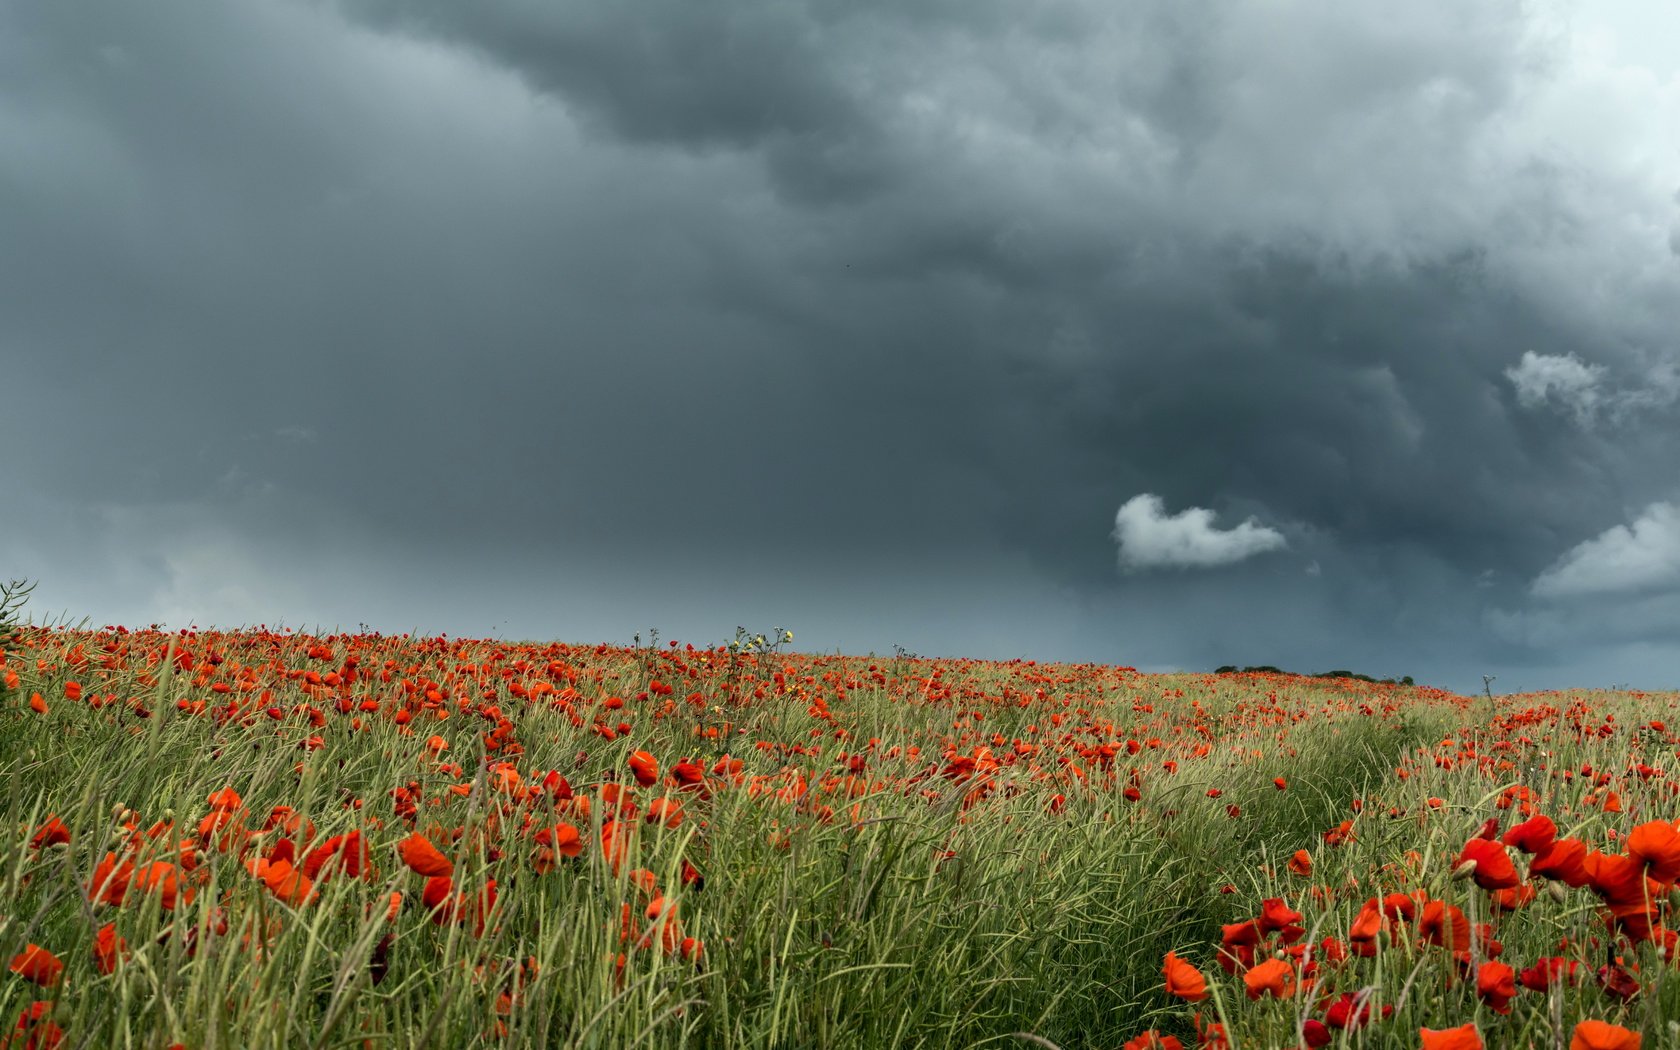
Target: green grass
x,y
925,919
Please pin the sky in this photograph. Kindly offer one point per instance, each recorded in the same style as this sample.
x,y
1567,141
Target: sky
x,y
1166,333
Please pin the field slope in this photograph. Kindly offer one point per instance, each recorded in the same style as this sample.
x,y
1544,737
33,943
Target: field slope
x,y
267,839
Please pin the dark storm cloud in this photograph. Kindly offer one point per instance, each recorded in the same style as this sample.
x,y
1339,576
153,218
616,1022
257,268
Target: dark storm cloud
x,y
664,73
590,316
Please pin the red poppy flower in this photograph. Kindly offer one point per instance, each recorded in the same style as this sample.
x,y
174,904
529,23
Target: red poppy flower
x,y
1341,834
1618,982
666,811
35,1024
162,877
346,853
1487,863
1153,1040
1547,972
1563,860
1240,934
1351,1011
1211,1036
1444,926
110,881
37,964
1618,879
282,850
1601,1035
556,785
108,948
436,895
1496,984
1513,898
1657,845
563,838
50,833
226,800
1464,1037
1274,977
1532,835
1278,917
423,858
1367,927
284,880
645,768
1183,980
615,844
1398,906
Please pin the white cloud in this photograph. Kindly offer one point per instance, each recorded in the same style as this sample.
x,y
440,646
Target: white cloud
x,y
1540,378
1150,539
1645,556
1578,388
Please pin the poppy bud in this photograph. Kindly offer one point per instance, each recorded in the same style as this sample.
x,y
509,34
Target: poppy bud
x,y
1464,871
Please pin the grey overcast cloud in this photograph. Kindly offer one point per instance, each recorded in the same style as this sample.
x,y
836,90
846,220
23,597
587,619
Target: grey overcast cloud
x,y
1172,333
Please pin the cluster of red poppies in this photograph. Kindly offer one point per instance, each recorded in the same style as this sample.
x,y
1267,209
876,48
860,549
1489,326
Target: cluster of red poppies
x,y
1633,888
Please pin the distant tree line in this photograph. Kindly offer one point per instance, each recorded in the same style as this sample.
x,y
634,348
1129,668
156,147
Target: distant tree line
x,y
1269,669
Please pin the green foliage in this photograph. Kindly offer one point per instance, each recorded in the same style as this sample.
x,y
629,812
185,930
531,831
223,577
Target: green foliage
x,y
1269,669
13,595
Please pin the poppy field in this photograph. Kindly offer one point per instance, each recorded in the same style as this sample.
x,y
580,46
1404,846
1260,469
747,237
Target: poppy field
x,y
273,839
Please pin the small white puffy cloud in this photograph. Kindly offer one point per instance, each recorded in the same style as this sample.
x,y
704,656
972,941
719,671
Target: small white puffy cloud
x,y
1151,539
1641,556
1578,388
1543,377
